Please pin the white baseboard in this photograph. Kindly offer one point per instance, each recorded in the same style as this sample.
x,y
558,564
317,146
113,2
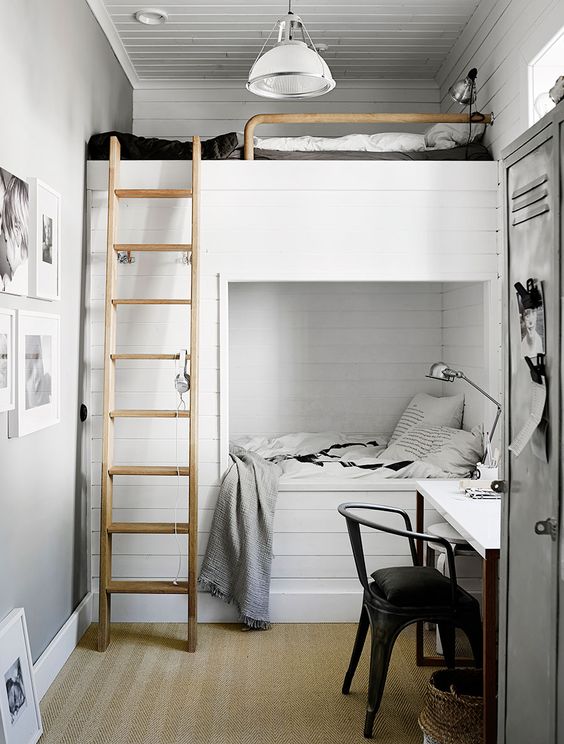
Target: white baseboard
x,y
58,651
334,607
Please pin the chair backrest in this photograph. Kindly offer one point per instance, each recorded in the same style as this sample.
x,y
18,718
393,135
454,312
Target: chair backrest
x,y
354,522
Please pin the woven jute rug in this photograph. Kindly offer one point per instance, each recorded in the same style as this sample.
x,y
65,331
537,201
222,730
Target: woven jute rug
x,y
281,686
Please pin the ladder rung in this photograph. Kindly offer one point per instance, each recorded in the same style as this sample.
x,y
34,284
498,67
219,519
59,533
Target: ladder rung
x,y
114,357
151,302
148,528
155,247
153,193
148,470
147,587
147,413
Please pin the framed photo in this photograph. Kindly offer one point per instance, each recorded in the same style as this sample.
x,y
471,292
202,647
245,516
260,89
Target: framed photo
x,y
7,359
14,234
38,373
44,241
20,717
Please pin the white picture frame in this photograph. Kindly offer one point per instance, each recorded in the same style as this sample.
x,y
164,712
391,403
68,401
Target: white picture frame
x,y
44,241
38,362
14,234
20,717
7,359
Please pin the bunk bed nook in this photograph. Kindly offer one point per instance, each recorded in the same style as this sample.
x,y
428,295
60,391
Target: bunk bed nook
x,y
323,237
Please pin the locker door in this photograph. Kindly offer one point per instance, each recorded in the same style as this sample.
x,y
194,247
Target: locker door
x,y
530,601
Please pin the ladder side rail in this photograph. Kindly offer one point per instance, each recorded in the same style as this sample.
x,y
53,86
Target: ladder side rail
x,y
194,396
110,323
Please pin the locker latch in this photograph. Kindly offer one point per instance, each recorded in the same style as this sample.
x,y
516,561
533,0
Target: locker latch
x,y
547,527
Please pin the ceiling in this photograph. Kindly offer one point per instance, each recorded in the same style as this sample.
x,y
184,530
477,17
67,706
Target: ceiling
x,y
221,38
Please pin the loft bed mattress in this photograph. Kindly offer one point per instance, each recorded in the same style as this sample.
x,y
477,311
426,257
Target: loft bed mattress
x,y
225,147
473,151
334,456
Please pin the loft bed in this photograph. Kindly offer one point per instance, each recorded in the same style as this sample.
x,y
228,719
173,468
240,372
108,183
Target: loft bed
x,y
447,140
298,222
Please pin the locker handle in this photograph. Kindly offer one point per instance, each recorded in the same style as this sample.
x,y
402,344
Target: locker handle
x,y
547,527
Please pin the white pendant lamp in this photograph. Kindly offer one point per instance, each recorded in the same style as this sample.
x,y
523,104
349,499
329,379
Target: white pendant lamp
x,y
292,69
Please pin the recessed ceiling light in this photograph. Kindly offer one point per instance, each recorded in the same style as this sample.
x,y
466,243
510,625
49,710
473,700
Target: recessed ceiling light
x,y
151,16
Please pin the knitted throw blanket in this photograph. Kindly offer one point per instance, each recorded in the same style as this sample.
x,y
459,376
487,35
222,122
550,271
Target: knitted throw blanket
x,y
238,559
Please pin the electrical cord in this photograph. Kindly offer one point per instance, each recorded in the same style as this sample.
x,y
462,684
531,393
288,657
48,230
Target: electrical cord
x,y
180,407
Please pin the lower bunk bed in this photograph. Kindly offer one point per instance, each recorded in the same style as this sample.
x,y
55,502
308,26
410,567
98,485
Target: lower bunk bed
x,y
313,576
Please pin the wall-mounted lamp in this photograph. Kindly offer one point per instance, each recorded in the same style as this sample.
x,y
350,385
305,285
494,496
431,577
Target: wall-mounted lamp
x,y
464,91
441,371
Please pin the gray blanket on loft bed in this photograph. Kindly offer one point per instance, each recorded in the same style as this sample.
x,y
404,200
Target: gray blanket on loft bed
x,y
238,559
474,151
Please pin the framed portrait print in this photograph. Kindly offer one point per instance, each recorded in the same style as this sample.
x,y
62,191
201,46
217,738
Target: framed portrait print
x,y
20,717
7,359
14,234
44,241
38,373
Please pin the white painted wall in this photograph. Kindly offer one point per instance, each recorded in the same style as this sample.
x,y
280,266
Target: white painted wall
x,y
502,39
60,83
348,222
212,107
347,357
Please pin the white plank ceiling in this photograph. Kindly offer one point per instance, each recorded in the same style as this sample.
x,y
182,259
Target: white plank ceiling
x,y
366,39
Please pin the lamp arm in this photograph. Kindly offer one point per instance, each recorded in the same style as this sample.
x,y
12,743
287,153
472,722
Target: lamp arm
x,y
488,396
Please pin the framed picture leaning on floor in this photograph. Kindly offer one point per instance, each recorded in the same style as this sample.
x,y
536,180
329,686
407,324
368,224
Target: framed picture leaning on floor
x,y
20,717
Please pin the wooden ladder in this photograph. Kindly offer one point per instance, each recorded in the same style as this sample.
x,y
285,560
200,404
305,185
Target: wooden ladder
x,y
108,527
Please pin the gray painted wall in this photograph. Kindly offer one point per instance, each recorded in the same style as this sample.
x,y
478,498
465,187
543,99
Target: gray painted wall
x,y
60,83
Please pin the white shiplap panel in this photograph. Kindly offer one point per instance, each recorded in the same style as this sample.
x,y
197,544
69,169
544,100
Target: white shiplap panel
x,y
221,40
501,40
210,111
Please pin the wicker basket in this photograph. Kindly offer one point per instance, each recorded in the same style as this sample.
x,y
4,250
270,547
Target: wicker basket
x,y
454,707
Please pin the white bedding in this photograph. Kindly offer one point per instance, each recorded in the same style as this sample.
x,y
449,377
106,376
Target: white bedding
x,y
440,136
384,142
361,458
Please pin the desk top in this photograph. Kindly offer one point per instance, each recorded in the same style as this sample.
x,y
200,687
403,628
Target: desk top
x,y
477,520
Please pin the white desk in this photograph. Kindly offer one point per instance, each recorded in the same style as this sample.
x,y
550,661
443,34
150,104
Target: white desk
x,y
479,522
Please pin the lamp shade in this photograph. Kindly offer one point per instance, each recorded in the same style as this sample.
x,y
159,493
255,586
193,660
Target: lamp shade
x,y
441,371
292,68
464,91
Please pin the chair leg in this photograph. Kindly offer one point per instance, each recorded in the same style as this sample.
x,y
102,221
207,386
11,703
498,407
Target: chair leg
x,y
473,630
447,633
384,633
361,632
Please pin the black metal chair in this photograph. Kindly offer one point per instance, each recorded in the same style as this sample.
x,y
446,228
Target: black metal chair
x,y
402,595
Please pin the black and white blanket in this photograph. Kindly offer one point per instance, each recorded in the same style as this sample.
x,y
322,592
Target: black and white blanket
x,y
333,455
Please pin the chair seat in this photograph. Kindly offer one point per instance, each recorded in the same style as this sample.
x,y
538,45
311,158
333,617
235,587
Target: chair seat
x,y
416,586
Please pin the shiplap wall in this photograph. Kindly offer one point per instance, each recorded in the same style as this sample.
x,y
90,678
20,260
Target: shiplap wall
x,y
350,222
347,356
212,107
501,39
466,329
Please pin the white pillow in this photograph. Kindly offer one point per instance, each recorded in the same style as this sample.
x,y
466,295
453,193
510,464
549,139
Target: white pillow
x,y
446,136
426,410
454,451
384,142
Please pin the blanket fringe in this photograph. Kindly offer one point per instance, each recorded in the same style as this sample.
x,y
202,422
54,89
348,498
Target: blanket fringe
x,y
251,622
